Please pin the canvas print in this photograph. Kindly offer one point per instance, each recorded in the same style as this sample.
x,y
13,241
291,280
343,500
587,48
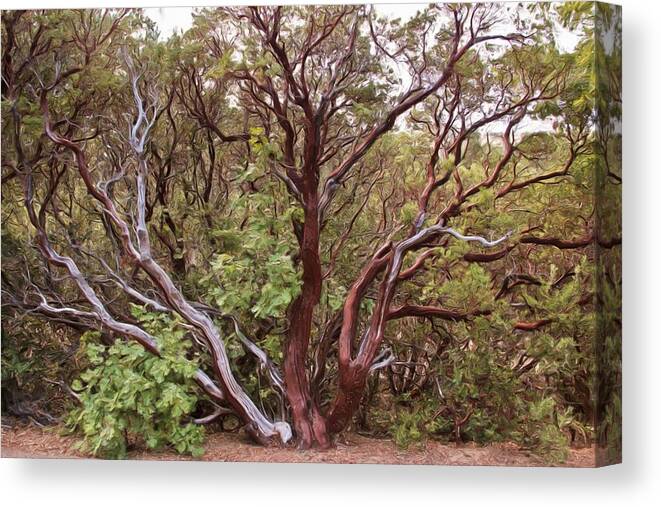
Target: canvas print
x,y
313,233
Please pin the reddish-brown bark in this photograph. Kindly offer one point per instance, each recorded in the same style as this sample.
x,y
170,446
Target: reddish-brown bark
x,y
532,326
308,422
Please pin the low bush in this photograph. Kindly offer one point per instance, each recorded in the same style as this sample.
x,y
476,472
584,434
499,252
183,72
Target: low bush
x,y
127,395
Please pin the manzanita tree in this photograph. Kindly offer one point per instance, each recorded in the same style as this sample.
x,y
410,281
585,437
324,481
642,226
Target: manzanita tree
x,y
307,191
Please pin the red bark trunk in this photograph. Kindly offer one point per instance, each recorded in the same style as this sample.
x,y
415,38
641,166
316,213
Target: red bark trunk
x,y
350,392
309,424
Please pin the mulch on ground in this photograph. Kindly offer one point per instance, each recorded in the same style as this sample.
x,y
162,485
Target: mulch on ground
x,y
29,441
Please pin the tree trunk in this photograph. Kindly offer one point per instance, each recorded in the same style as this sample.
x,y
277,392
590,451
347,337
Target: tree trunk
x,y
309,424
350,392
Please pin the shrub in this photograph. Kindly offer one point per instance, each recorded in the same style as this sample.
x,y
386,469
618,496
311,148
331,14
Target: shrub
x,y
35,367
541,431
128,394
406,428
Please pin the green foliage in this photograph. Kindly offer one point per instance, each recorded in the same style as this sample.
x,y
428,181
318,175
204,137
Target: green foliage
x,y
470,291
129,395
479,388
405,428
408,213
541,431
255,274
33,365
478,396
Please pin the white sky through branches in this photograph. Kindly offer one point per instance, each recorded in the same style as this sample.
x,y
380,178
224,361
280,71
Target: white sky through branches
x,y
170,19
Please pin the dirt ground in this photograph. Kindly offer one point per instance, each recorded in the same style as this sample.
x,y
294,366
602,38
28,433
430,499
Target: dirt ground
x,y
29,441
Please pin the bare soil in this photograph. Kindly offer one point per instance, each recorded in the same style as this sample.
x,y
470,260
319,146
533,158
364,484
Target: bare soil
x,y
29,441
